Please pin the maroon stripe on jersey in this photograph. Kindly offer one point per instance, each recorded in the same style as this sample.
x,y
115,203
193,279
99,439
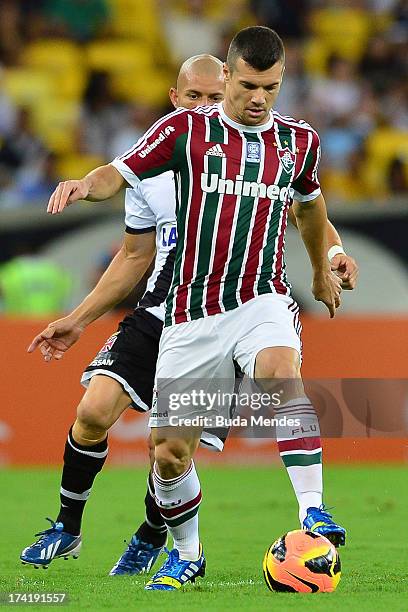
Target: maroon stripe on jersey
x,y
268,177
280,287
225,224
171,512
299,444
199,146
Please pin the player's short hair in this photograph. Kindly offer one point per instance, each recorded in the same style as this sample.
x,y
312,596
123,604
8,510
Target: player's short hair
x,y
259,46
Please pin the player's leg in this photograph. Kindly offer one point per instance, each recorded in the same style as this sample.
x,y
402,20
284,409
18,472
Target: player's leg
x,y
299,446
191,354
86,448
132,354
178,494
275,348
300,453
150,537
85,453
153,529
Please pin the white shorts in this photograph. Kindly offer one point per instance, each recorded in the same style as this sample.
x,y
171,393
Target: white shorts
x,y
205,350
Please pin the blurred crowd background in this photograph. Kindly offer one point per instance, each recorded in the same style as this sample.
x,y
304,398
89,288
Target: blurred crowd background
x,y
80,81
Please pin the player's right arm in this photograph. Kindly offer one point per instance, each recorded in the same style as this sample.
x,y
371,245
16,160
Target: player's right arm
x,y
124,272
100,184
156,152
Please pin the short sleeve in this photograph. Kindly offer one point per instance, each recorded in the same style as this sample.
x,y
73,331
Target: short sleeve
x,y
306,186
139,218
156,152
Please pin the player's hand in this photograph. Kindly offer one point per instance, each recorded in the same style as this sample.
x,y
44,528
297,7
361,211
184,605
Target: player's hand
x,y
346,269
326,288
66,193
56,339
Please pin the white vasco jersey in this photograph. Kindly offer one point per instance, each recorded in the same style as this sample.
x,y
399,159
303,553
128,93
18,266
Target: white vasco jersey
x,y
151,205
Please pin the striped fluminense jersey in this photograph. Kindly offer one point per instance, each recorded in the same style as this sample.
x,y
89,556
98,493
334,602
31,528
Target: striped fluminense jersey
x,y
234,187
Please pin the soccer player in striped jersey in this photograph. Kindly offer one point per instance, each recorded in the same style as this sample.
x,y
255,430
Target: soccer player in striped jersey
x,y
236,151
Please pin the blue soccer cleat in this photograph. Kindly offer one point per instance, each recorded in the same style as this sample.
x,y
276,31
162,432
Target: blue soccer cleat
x,y
320,521
138,558
53,543
176,572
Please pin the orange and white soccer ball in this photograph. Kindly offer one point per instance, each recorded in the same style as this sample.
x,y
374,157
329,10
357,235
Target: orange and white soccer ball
x,y
302,562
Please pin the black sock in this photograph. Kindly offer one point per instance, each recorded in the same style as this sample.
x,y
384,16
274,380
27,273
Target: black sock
x,y
154,529
81,465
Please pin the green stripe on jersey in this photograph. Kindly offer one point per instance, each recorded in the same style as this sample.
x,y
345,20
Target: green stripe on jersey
x,y
251,170
301,459
174,161
216,131
182,180
210,204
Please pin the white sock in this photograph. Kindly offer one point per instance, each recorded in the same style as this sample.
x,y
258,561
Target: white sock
x,y
301,452
179,500
307,484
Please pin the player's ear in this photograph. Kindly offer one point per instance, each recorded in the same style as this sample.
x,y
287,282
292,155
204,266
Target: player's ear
x,y
173,95
226,72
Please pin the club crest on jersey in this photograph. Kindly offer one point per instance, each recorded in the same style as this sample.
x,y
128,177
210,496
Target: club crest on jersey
x,y
109,343
287,159
253,152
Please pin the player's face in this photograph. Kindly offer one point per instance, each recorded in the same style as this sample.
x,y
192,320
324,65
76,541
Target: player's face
x,y
250,94
198,90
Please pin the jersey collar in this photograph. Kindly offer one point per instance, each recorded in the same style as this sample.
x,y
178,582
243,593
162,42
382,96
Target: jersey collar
x,y
245,128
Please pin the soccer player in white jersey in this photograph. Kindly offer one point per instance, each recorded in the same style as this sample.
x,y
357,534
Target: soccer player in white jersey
x,y
122,374
251,197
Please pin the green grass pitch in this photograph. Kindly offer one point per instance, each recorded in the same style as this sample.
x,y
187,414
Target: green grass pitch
x,y
243,511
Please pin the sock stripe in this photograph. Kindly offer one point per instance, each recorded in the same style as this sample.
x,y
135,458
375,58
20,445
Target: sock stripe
x,y
174,482
101,455
77,496
301,451
299,444
161,528
181,519
178,511
302,408
301,459
295,404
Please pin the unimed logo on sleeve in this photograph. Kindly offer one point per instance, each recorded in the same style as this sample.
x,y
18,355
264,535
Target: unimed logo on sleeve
x,y
165,133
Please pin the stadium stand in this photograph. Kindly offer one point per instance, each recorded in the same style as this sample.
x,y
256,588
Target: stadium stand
x,y
48,60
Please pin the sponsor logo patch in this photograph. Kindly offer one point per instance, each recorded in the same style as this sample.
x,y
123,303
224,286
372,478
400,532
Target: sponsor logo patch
x,y
103,359
159,415
253,152
215,151
211,183
165,133
109,343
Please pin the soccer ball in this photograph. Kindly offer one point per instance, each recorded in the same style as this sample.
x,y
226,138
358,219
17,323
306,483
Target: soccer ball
x,y
302,562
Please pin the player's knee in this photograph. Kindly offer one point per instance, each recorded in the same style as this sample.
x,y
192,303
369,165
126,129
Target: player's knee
x,y
172,458
285,369
277,366
92,415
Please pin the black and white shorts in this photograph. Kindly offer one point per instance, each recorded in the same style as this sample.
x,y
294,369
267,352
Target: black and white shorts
x,y
130,356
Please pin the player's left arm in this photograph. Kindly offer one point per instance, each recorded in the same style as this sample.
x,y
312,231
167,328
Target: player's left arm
x,y
123,273
311,218
342,264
